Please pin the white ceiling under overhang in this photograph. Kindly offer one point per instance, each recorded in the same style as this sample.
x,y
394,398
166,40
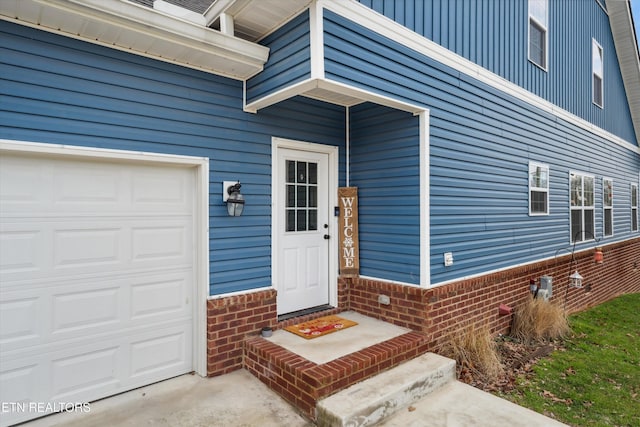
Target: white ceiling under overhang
x,y
137,29
254,19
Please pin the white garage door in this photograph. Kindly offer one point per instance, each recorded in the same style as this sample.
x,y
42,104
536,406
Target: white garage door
x,y
96,278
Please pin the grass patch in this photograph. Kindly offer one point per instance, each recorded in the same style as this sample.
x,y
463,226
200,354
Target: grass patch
x,y
595,379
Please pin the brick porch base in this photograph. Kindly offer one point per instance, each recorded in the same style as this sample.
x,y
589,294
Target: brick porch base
x,y
302,383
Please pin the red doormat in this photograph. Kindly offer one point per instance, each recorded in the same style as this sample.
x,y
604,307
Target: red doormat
x,y
321,326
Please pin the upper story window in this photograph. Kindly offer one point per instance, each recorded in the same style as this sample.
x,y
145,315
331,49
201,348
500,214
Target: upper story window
x,y
582,207
607,204
538,189
634,207
597,66
538,40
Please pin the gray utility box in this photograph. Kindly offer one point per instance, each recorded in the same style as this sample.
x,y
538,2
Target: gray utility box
x,y
546,284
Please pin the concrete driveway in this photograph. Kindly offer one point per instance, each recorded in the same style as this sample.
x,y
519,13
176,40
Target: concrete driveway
x,y
235,399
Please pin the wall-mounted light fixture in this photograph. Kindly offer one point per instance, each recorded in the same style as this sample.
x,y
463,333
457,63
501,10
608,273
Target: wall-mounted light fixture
x,y
232,197
575,280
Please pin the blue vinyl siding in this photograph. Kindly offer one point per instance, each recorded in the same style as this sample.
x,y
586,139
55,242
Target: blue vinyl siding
x,y
481,140
494,35
59,90
289,59
385,166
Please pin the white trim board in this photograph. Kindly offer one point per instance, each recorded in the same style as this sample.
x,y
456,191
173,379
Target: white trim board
x,y
386,27
425,205
201,209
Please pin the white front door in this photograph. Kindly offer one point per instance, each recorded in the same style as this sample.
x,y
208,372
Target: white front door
x,y
302,229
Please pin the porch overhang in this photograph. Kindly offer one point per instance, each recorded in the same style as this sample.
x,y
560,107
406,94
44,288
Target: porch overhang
x,y
137,29
331,92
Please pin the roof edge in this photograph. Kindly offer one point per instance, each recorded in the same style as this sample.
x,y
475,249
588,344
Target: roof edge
x,y
140,30
624,38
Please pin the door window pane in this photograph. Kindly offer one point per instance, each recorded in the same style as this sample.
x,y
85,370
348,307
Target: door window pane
x,y
313,197
313,173
301,196
291,196
302,172
302,220
313,219
291,220
291,171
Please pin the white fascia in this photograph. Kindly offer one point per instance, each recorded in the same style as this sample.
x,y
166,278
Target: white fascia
x,y
143,31
386,27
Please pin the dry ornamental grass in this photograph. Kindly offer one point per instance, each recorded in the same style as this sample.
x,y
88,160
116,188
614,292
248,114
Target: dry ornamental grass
x,y
538,320
474,349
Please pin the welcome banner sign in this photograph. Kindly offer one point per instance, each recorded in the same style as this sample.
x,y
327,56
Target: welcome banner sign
x,y
348,232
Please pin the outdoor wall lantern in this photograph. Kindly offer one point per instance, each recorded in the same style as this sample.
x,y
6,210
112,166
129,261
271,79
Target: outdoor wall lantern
x,y
575,280
232,197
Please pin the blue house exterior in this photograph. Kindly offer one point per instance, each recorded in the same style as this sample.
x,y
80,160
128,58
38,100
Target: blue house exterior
x,y
477,163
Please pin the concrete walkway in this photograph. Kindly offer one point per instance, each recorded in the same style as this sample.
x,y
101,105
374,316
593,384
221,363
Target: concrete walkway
x,y
240,400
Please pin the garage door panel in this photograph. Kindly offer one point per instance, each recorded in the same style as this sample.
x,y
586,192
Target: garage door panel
x,y
89,247
19,320
23,383
160,243
59,312
21,251
165,189
74,185
158,354
78,186
159,296
82,373
96,277
86,309
21,183
53,250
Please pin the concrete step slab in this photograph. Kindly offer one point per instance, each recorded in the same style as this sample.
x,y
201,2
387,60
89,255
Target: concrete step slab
x,y
370,401
459,405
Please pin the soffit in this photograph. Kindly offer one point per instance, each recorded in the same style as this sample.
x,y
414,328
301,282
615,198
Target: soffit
x,y
138,29
628,56
255,19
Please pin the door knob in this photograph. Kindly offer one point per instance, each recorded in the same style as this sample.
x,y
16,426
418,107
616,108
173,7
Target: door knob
x,y
326,237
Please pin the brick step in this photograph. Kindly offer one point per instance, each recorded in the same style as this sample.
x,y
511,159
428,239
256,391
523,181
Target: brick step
x,y
303,383
370,401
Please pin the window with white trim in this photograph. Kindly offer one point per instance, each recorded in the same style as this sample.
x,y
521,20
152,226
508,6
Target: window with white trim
x,y
607,205
538,189
597,67
582,207
634,207
538,12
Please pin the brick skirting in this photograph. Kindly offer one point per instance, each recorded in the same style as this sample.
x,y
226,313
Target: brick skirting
x,y
436,312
